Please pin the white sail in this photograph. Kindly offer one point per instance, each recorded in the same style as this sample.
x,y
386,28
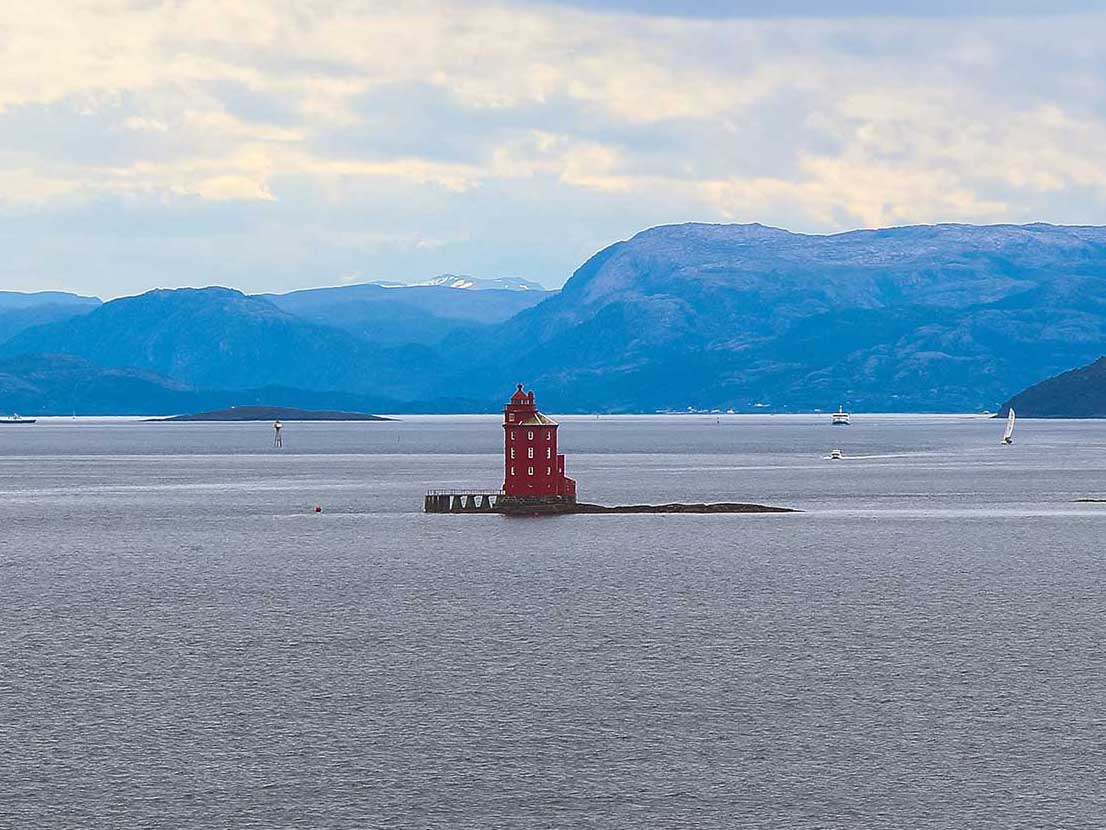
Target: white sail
x,y
1008,436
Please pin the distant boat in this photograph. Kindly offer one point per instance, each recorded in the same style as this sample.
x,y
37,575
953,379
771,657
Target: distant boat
x,y
16,419
836,455
1008,436
840,417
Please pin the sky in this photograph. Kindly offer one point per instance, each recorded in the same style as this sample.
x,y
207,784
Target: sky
x,y
270,145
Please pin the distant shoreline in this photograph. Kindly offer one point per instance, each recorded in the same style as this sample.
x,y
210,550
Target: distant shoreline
x,y
272,413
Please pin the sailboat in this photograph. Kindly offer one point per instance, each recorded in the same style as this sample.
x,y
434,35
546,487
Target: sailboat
x,y
1008,436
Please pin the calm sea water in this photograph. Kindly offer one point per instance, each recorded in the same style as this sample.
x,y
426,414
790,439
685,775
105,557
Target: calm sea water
x,y
185,643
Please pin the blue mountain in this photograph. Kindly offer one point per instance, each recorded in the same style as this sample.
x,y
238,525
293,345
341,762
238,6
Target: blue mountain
x,y
927,318
399,314
63,384
218,338
20,311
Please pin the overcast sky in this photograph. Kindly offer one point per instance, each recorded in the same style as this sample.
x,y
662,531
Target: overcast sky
x,y
279,144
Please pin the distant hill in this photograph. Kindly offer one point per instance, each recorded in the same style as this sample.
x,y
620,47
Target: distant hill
x,y
62,384
20,311
1080,393
14,300
217,338
928,318
397,315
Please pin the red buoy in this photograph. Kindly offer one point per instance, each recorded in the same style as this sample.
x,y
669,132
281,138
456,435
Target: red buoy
x,y
318,509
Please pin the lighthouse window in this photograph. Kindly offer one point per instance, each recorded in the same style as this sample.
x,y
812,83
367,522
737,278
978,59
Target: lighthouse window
x,y
530,436
549,435
529,471
530,452
512,452
511,417
548,452
549,471
512,471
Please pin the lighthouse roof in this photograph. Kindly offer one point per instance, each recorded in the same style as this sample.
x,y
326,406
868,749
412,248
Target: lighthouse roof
x,y
520,396
538,420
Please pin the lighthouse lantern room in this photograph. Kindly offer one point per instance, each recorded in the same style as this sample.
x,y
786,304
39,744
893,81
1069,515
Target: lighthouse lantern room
x,y
533,469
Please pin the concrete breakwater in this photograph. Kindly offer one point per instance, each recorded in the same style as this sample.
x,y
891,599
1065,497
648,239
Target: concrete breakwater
x,y
482,501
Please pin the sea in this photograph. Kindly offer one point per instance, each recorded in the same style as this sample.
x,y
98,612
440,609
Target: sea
x,y
186,643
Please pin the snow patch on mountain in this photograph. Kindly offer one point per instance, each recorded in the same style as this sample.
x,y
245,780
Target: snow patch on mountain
x,y
463,281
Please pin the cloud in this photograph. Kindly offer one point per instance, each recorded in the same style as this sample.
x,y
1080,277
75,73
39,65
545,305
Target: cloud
x,y
822,9
391,139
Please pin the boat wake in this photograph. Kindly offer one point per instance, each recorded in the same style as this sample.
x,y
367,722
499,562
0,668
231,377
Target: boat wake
x,y
843,457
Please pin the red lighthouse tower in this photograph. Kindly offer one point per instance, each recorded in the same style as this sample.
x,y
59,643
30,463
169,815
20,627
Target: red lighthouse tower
x,y
533,471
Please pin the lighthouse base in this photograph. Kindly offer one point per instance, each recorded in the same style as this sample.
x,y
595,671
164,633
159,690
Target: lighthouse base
x,y
535,505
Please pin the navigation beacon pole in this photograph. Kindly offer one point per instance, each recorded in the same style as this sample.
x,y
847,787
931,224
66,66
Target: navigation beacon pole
x,y
278,441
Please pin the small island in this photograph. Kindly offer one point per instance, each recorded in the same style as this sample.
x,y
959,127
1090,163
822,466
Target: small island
x,y
274,413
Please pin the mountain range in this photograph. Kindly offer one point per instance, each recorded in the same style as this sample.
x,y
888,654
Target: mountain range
x,y
424,314
923,318
945,317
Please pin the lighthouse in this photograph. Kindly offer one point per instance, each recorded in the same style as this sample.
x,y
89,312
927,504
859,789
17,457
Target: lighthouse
x,y
533,470
534,480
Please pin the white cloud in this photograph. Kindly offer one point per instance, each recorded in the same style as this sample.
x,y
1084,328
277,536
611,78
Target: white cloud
x,y
145,124
813,123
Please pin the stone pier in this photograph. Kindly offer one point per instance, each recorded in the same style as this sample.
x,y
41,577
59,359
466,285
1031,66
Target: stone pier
x,y
461,501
